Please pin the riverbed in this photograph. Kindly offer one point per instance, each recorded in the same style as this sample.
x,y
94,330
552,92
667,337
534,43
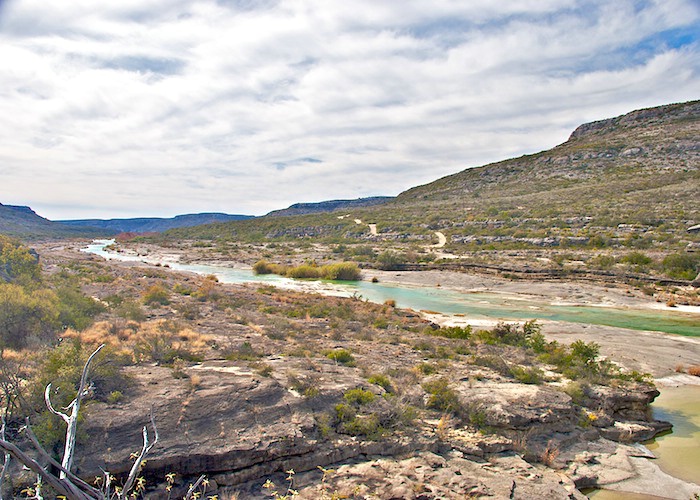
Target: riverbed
x,y
642,338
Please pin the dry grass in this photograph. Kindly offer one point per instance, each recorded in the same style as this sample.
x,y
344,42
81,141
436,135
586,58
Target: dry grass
x,y
549,454
694,370
124,337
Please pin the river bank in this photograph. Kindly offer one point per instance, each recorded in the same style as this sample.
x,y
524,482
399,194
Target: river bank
x,y
609,457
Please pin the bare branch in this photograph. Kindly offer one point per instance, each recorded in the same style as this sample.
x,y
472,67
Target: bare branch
x,y
6,462
193,487
47,400
52,481
49,459
145,449
72,430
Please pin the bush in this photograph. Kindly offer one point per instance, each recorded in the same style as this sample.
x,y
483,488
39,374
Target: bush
x,y
75,309
531,375
390,261
156,294
344,271
453,332
382,381
18,264
442,397
263,267
359,396
681,266
27,316
342,356
637,259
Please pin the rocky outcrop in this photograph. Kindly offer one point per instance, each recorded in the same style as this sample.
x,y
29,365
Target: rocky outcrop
x,y
241,429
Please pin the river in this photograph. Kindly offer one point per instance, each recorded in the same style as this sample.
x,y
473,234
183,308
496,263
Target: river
x,y
678,453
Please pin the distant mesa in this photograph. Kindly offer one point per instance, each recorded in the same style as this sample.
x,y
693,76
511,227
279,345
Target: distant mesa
x,y
22,222
154,224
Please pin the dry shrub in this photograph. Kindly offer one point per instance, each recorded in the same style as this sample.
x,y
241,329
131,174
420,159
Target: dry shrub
x,y
549,454
680,368
694,370
159,340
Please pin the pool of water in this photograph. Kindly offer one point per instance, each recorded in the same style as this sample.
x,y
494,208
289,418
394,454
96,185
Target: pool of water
x,y
476,305
678,453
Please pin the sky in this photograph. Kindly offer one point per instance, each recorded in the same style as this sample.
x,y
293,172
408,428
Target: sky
x,y
162,107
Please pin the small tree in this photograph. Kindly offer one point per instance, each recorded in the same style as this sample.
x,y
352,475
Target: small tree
x,y
67,483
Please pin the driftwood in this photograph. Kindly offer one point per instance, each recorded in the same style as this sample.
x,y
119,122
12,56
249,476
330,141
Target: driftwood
x,y
66,483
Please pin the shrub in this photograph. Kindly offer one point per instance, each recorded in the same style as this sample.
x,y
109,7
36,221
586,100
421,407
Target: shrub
x,y
584,352
390,261
681,265
263,267
304,271
694,370
637,259
156,294
531,375
442,397
75,309
115,397
576,391
382,381
342,356
27,316
426,368
453,332
359,396
18,264
364,425
344,271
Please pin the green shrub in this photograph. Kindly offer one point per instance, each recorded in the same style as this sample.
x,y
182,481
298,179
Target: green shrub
x,y
531,375
156,294
637,259
75,309
27,316
344,271
18,264
681,265
382,381
390,261
115,397
426,368
304,271
342,356
442,396
62,367
344,412
244,352
452,332
576,391
130,309
368,426
359,396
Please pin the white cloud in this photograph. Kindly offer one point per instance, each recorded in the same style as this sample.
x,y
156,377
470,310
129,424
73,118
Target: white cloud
x,y
163,107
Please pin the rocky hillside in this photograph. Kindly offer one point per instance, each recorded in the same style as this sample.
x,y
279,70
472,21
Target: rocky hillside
x,y
330,206
22,222
627,182
659,143
154,224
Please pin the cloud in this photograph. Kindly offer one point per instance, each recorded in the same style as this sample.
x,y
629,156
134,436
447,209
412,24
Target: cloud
x,y
155,107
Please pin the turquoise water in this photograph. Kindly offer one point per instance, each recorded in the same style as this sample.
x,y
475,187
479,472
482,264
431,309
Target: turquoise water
x,y
481,305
